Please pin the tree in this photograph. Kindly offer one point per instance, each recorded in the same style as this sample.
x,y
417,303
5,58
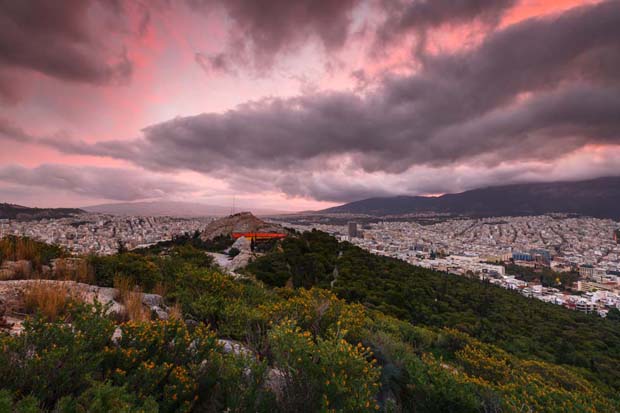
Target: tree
x,y
613,314
122,248
233,252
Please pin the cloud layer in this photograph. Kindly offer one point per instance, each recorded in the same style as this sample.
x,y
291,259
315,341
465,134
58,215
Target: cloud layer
x,y
60,40
107,183
524,99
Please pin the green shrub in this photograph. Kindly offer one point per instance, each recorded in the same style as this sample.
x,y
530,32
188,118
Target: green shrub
x,y
322,374
104,398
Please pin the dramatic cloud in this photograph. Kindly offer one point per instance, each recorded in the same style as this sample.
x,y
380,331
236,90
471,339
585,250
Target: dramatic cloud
x,y
525,98
504,101
108,183
8,130
57,38
260,30
219,63
418,16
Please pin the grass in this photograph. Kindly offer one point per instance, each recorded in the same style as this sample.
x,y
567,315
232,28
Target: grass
x,y
131,297
160,289
50,300
5,275
136,311
175,312
73,270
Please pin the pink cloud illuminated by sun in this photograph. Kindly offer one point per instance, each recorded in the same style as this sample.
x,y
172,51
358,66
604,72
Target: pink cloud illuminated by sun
x,y
170,78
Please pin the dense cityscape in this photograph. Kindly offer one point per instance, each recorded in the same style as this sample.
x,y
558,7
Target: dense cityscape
x,y
502,249
101,234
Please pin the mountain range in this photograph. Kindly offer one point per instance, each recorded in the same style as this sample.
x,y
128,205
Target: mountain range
x,y
12,211
168,208
596,197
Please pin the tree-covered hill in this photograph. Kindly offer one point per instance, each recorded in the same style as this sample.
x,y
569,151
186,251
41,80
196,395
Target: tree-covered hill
x,y
525,327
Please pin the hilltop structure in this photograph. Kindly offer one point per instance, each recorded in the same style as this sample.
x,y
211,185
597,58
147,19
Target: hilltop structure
x,y
243,224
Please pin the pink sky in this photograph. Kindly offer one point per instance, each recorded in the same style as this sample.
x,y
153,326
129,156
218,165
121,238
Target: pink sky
x,y
168,81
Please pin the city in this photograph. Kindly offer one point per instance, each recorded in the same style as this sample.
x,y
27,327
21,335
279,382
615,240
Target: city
x,y
498,250
587,248
102,234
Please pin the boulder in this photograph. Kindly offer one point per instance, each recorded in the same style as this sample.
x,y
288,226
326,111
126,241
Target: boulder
x,y
152,300
234,347
243,244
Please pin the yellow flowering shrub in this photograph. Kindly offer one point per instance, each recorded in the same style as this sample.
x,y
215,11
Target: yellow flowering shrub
x,y
323,374
515,385
320,312
164,358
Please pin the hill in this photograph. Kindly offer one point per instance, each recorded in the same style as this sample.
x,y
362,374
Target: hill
x,y
166,208
597,197
522,326
241,222
11,211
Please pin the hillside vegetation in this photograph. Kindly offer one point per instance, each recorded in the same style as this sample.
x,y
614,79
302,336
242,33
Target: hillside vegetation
x,y
522,326
387,337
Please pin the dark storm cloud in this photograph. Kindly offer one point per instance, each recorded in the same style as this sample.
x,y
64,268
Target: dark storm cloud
x,y
260,30
108,183
528,83
218,63
403,17
57,38
329,188
534,91
8,130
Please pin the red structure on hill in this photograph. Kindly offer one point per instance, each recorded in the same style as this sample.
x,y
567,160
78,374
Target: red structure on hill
x,y
259,235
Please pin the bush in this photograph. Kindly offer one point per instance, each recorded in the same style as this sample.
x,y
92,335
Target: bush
x,y
322,374
139,269
104,398
320,312
53,359
233,252
78,367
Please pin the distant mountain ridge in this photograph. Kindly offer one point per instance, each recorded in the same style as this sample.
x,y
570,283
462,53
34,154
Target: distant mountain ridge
x,y
19,212
596,197
167,208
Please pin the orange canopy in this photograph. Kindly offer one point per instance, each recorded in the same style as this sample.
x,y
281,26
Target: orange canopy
x,y
258,235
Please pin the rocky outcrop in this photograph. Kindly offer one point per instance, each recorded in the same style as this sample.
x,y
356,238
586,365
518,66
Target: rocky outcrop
x,y
241,222
59,268
231,265
242,244
13,293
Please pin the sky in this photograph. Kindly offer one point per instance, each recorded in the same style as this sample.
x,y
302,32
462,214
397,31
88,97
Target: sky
x,y
306,104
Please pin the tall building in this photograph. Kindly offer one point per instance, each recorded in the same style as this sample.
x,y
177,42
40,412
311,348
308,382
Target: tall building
x,y
352,229
522,256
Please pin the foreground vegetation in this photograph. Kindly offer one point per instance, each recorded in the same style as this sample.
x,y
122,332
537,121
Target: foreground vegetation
x,y
387,337
525,327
